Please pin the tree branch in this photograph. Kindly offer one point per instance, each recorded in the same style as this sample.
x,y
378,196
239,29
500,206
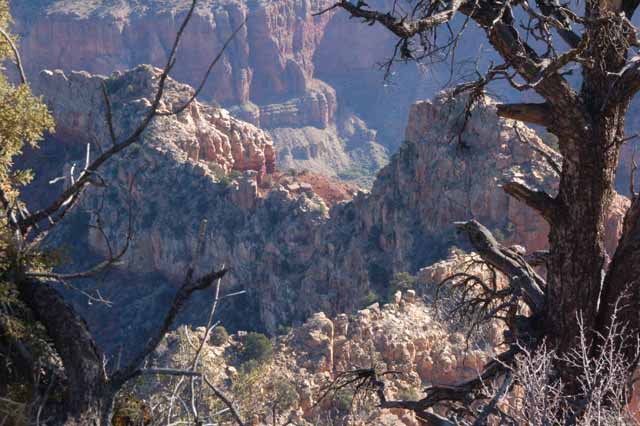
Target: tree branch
x,y
629,81
551,10
505,387
529,113
401,27
225,400
167,372
16,54
552,157
206,75
538,200
462,393
521,276
182,296
71,193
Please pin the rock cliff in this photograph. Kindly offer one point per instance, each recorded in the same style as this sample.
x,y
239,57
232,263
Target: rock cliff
x,y
292,253
266,76
202,134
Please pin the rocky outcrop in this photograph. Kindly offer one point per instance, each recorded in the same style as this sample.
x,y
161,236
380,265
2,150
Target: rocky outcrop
x,y
292,254
331,191
317,107
405,336
206,135
471,168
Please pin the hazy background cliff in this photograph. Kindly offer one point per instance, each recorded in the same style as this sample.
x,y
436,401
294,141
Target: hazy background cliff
x,y
314,83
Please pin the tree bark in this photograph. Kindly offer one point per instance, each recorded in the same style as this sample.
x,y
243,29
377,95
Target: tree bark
x,y
576,266
576,239
82,360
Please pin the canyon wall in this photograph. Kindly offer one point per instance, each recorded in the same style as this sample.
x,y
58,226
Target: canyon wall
x,y
266,75
304,79
203,193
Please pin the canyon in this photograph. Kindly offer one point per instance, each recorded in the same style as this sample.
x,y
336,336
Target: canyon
x,y
329,193
279,72
204,191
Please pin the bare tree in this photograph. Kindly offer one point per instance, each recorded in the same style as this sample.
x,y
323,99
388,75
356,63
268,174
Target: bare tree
x,y
85,389
539,43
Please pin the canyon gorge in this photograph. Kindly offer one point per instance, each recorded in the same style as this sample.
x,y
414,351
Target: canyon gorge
x,y
328,189
203,189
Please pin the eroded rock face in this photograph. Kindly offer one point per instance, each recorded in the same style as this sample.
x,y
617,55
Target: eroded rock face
x,y
266,76
292,253
470,170
202,134
269,59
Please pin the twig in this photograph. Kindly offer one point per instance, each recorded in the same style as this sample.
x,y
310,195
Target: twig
x,y
16,54
225,400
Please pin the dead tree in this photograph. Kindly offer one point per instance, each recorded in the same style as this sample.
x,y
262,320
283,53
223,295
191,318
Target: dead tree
x,y
539,43
85,391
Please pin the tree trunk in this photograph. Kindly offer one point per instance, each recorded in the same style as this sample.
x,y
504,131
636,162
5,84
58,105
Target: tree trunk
x,y
87,397
576,239
591,152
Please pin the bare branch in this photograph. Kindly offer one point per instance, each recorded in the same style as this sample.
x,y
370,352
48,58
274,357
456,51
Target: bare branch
x,y
537,258
16,54
547,153
629,80
497,20
225,400
402,28
554,14
464,393
538,200
522,277
72,192
167,372
181,297
105,264
206,75
529,113
108,114
505,387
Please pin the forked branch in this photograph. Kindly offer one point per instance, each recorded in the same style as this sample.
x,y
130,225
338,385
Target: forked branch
x,y
521,275
538,200
189,287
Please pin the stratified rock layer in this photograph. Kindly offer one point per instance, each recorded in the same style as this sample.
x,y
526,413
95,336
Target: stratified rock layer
x,y
292,254
201,133
266,76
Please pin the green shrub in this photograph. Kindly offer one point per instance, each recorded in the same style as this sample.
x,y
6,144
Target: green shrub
x,y
219,336
370,298
284,393
283,330
257,347
343,401
401,281
408,394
